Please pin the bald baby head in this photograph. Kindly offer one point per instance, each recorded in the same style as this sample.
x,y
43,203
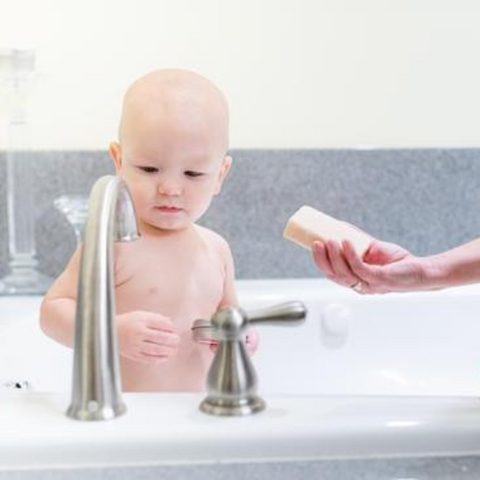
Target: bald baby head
x,y
175,108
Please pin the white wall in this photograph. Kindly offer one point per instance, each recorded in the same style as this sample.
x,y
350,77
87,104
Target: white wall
x,y
311,73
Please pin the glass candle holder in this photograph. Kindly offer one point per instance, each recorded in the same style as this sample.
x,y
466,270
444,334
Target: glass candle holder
x,y
75,209
16,78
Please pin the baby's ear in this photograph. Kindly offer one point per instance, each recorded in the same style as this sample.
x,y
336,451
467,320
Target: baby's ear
x,y
116,155
226,164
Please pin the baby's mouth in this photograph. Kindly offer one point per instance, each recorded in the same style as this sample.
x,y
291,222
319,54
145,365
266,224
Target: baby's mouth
x,y
168,209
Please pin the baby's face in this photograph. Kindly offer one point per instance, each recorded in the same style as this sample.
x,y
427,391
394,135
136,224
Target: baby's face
x,y
172,177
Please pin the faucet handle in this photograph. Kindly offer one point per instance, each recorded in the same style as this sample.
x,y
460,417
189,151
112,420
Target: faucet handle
x,y
230,322
231,380
289,313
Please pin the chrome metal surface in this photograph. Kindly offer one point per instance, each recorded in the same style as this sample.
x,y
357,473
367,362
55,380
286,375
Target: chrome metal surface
x,y
96,386
232,381
288,314
203,332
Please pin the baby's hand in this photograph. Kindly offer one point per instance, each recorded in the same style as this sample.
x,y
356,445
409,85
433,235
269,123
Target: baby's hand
x,y
146,337
251,342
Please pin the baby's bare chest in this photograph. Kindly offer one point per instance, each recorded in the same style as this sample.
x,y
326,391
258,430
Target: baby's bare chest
x,y
183,285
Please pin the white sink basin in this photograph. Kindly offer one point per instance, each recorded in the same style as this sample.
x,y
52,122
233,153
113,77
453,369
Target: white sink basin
x,y
364,377
168,428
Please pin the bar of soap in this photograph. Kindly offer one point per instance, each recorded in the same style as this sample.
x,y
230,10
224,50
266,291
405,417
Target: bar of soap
x,y
307,225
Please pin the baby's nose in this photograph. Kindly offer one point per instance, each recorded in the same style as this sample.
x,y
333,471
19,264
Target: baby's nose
x,y
169,188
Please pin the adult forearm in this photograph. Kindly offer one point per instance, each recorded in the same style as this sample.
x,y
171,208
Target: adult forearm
x,y
459,266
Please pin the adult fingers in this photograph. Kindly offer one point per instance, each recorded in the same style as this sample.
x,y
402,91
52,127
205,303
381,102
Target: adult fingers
x,y
374,278
320,257
365,272
343,273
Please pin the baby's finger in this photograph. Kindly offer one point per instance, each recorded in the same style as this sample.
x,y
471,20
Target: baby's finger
x,y
158,350
158,322
151,359
213,345
321,259
160,337
252,338
250,345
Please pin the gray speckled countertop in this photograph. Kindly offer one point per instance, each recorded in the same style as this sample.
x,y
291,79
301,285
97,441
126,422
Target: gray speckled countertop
x,y
424,199
426,468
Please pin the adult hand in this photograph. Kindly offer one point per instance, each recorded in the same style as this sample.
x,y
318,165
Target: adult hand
x,y
385,267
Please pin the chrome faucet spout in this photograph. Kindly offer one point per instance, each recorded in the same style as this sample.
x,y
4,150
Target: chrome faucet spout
x,y
96,385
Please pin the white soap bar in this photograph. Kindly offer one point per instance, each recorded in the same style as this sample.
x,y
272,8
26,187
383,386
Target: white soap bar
x,y
307,225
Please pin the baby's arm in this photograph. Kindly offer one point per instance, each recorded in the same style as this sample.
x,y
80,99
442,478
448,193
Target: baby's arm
x,y
230,297
146,337
57,312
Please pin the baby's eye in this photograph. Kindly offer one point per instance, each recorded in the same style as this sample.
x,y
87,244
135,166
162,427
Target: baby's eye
x,y
148,169
190,173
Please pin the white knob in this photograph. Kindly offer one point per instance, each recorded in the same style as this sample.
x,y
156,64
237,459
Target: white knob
x,y
335,324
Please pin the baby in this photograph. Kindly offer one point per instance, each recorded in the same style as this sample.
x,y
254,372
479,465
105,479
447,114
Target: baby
x,y
172,153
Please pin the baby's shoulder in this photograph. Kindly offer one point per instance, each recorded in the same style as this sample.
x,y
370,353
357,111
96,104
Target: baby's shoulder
x,y
124,261
213,240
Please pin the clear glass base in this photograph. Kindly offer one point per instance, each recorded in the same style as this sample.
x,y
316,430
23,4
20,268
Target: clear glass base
x,y
75,209
25,282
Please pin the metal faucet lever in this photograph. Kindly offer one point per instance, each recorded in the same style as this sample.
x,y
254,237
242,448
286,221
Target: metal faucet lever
x,y
231,380
96,386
